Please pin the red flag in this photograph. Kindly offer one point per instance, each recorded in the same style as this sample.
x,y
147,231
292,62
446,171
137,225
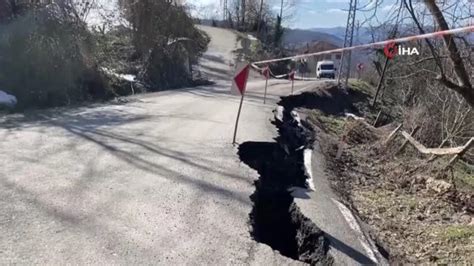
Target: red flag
x,y
291,75
266,72
240,78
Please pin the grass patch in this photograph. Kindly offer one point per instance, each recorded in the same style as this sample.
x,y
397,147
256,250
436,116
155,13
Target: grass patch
x,y
464,175
362,86
331,124
458,232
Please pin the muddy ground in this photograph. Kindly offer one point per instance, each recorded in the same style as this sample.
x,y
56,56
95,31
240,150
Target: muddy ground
x,y
414,211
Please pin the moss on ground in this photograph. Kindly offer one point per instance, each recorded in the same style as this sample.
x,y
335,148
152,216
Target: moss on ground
x,y
361,86
464,175
458,232
330,123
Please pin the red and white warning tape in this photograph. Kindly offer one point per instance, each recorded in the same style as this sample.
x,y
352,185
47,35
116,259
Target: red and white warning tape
x,y
369,45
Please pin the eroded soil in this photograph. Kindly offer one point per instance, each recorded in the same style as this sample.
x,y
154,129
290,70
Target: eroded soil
x,y
412,209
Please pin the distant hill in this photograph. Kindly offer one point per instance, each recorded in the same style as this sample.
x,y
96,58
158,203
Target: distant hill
x,y
298,38
381,33
295,38
340,32
336,31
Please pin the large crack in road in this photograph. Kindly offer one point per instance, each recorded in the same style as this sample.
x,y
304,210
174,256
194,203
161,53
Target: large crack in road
x,y
348,243
279,215
275,218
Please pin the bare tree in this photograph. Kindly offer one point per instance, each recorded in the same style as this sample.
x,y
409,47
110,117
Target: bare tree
x,y
463,86
281,9
260,15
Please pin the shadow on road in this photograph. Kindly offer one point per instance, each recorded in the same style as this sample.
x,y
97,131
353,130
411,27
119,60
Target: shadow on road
x,y
93,127
349,251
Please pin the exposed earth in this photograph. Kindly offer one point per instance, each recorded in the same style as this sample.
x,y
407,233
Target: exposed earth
x,y
415,211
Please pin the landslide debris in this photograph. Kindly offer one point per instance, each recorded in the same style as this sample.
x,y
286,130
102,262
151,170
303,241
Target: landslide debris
x,y
413,210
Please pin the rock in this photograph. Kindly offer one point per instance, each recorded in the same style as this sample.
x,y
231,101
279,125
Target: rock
x,y
438,186
466,219
278,113
359,132
420,179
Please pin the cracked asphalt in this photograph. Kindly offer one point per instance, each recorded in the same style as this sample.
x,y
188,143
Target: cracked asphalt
x,y
153,181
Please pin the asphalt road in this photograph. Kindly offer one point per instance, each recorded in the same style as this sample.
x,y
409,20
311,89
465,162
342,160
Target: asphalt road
x,y
153,181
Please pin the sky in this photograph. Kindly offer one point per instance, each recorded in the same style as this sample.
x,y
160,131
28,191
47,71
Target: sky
x,y
328,13
308,13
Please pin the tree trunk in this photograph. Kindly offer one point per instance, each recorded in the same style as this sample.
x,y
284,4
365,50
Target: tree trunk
x,y
464,86
5,10
259,18
381,80
281,9
237,12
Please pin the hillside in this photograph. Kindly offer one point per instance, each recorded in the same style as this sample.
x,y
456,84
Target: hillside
x,y
340,32
299,37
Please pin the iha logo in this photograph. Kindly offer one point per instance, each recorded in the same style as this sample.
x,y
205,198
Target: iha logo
x,y
392,49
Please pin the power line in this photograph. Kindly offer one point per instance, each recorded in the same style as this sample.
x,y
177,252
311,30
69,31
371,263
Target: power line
x,y
436,34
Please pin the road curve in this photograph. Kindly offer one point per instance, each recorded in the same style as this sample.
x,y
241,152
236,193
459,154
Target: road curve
x,y
154,181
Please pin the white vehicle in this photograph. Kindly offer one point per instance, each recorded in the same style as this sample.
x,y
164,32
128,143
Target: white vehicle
x,y
325,69
7,99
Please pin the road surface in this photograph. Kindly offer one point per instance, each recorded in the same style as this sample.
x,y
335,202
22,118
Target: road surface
x,y
152,181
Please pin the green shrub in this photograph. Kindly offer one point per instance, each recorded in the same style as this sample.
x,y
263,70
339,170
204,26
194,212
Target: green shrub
x,y
46,59
166,40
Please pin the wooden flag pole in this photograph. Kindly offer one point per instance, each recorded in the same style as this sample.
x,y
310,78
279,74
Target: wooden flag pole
x,y
292,85
240,82
291,76
238,117
265,94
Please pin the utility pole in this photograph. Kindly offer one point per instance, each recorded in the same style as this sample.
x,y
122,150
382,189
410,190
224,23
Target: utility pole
x,y
243,14
345,68
224,10
237,12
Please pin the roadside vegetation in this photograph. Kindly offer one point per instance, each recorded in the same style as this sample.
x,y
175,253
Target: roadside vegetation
x,y
51,56
418,207
417,210
265,23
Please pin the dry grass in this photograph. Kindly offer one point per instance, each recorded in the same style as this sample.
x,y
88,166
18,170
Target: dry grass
x,y
412,208
412,221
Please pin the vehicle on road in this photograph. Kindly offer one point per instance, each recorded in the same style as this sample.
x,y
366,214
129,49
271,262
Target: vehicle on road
x,y
325,69
7,100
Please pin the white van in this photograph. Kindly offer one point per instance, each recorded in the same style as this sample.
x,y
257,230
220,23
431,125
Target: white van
x,y
7,100
325,69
